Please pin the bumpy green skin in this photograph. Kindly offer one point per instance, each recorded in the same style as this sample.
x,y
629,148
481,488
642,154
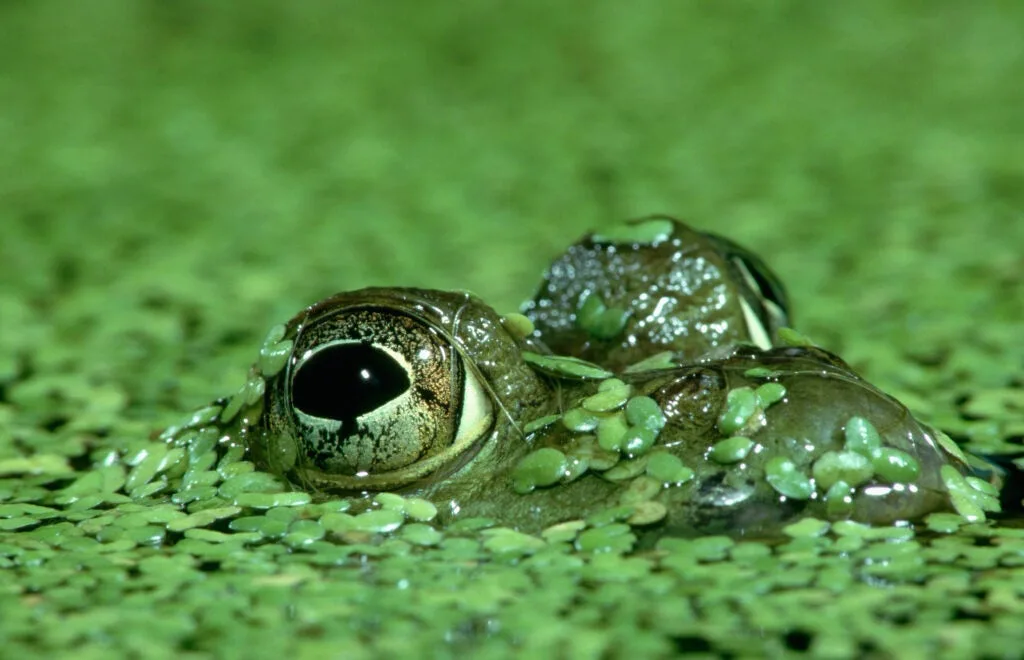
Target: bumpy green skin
x,y
685,282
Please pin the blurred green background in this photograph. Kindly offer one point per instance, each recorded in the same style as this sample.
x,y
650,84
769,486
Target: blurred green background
x,y
180,175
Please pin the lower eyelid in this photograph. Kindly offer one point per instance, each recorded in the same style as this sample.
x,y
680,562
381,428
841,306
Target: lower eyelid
x,y
758,333
477,414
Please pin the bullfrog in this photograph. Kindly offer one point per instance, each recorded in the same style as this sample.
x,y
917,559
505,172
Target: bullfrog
x,y
653,375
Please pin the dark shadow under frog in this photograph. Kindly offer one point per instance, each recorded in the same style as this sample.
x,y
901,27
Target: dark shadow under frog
x,y
653,371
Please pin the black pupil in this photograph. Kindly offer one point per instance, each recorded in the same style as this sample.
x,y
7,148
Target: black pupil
x,y
345,381
769,286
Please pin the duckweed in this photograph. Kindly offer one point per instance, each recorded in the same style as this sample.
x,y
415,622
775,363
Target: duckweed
x,y
540,423
610,324
465,525
575,468
668,468
949,446
645,232
273,357
966,500
867,532
608,398
17,522
270,500
611,432
982,486
518,325
663,360
286,513
589,310
505,541
626,469
770,393
641,489
647,513
255,387
580,420
783,475
806,527
705,549
146,491
740,405
944,523
839,499
895,466
303,533
614,537
274,335
637,440
585,449
248,482
199,418
542,467
380,521
390,501
420,534
420,510
731,450
267,528
565,367
609,516
236,469
563,532
600,321
202,518
146,468
35,465
643,411
790,337
862,437
234,405
848,467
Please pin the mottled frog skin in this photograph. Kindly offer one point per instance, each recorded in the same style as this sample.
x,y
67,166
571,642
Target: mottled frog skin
x,y
647,372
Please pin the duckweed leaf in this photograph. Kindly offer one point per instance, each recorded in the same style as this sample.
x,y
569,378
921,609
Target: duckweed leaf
x,y
642,232
565,367
783,475
731,450
542,467
740,405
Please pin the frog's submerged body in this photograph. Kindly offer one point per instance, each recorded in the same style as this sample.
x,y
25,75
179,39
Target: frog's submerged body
x,y
645,373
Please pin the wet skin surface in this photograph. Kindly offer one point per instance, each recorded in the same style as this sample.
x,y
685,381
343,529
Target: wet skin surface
x,y
435,394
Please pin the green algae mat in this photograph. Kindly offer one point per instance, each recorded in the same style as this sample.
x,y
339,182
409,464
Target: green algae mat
x,y
181,176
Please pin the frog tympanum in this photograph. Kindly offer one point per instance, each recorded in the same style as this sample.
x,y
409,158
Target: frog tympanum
x,y
653,369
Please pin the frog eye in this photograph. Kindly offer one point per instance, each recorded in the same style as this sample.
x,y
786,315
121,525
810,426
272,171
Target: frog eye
x,y
381,397
767,308
762,280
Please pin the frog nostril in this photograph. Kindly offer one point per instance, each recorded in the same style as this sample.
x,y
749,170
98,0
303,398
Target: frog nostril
x,y
344,381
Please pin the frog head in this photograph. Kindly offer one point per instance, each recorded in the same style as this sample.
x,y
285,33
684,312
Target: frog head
x,y
435,394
